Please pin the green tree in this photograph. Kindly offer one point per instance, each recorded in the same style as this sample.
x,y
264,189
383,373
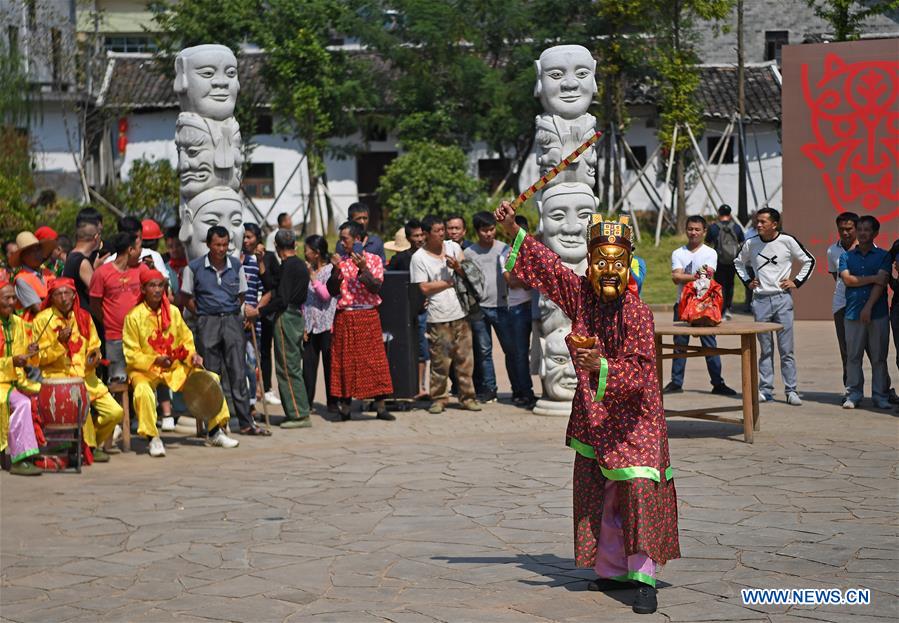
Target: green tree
x,y
316,91
429,179
151,190
620,51
462,72
847,17
16,180
674,25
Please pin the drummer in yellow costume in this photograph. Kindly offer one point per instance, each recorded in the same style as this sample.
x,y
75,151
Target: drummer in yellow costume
x,y
16,425
159,349
70,347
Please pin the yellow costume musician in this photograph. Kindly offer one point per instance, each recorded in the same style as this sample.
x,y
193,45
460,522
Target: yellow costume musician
x,y
148,336
16,425
78,357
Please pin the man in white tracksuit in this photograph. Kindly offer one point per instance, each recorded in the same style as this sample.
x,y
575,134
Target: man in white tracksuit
x,y
764,264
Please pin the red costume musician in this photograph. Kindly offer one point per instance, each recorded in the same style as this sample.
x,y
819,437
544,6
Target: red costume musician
x,y
625,505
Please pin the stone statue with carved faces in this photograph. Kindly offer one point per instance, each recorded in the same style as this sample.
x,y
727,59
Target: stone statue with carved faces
x,y
208,141
219,205
566,84
565,214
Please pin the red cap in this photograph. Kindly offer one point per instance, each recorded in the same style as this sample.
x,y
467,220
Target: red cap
x,y
45,233
150,229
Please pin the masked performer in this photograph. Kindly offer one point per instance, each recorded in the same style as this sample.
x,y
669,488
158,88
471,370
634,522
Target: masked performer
x,y
159,349
70,347
16,425
625,506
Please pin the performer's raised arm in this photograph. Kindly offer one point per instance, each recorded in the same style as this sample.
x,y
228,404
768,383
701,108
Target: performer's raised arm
x,y
538,267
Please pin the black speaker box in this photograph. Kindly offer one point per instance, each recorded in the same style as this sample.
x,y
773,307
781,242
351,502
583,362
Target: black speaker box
x,y
400,302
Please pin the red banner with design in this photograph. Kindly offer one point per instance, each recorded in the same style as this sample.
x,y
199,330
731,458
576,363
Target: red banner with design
x,y
840,148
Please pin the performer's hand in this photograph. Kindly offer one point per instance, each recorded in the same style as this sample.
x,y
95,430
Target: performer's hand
x,y
505,216
587,359
64,335
93,358
754,284
196,360
250,312
19,361
335,260
33,349
163,362
359,260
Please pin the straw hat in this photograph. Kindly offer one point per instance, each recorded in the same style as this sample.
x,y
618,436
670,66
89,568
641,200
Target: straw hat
x,y
26,240
400,242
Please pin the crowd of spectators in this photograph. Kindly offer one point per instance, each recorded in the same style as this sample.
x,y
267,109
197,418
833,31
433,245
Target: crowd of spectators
x,y
278,309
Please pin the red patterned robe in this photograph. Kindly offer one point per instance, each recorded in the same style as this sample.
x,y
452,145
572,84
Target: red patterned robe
x,y
622,437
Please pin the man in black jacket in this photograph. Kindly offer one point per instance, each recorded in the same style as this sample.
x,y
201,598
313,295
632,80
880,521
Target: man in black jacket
x,y
287,307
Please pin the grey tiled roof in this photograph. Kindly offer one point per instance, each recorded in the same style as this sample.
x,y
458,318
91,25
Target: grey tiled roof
x,y
717,92
139,82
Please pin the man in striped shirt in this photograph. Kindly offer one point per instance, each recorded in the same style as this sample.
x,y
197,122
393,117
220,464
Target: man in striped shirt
x,y
252,299
764,264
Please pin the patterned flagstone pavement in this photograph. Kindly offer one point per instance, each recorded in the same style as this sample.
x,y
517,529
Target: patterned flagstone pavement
x,y
458,517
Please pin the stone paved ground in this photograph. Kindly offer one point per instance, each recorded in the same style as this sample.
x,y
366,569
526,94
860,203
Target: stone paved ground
x,y
459,517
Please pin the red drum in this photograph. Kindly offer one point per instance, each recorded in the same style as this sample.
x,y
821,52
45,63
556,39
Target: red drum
x,y
63,403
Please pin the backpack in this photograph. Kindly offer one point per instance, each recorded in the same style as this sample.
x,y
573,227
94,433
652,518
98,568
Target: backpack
x,y
728,245
468,289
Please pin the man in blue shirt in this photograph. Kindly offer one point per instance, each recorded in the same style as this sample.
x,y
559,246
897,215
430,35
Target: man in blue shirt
x,y
214,286
866,270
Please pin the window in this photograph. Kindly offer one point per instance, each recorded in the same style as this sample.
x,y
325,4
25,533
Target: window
x,y
264,124
492,170
728,157
31,8
259,180
56,55
639,154
129,43
12,37
774,40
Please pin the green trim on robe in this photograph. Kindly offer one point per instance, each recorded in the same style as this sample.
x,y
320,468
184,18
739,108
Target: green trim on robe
x,y
636,575
622,473
601,380
513,254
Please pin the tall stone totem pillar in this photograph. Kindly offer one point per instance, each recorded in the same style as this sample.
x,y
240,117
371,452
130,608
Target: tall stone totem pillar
x,y
566,84
209,146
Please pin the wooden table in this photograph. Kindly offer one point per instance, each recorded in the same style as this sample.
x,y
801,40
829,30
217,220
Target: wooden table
x,y
749,367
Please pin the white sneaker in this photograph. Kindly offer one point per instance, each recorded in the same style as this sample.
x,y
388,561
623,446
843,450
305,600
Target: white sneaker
x,y
116,435
793,399
765,398
271,398
221,440
168,424
156,447
728,316
848,404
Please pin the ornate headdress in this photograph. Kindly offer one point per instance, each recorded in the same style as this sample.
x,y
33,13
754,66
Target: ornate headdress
x,y
618,233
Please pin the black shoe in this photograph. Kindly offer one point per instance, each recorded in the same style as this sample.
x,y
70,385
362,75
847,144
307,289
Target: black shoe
x,y
723,390
487,397
645,602
605,584
672,388
387,416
